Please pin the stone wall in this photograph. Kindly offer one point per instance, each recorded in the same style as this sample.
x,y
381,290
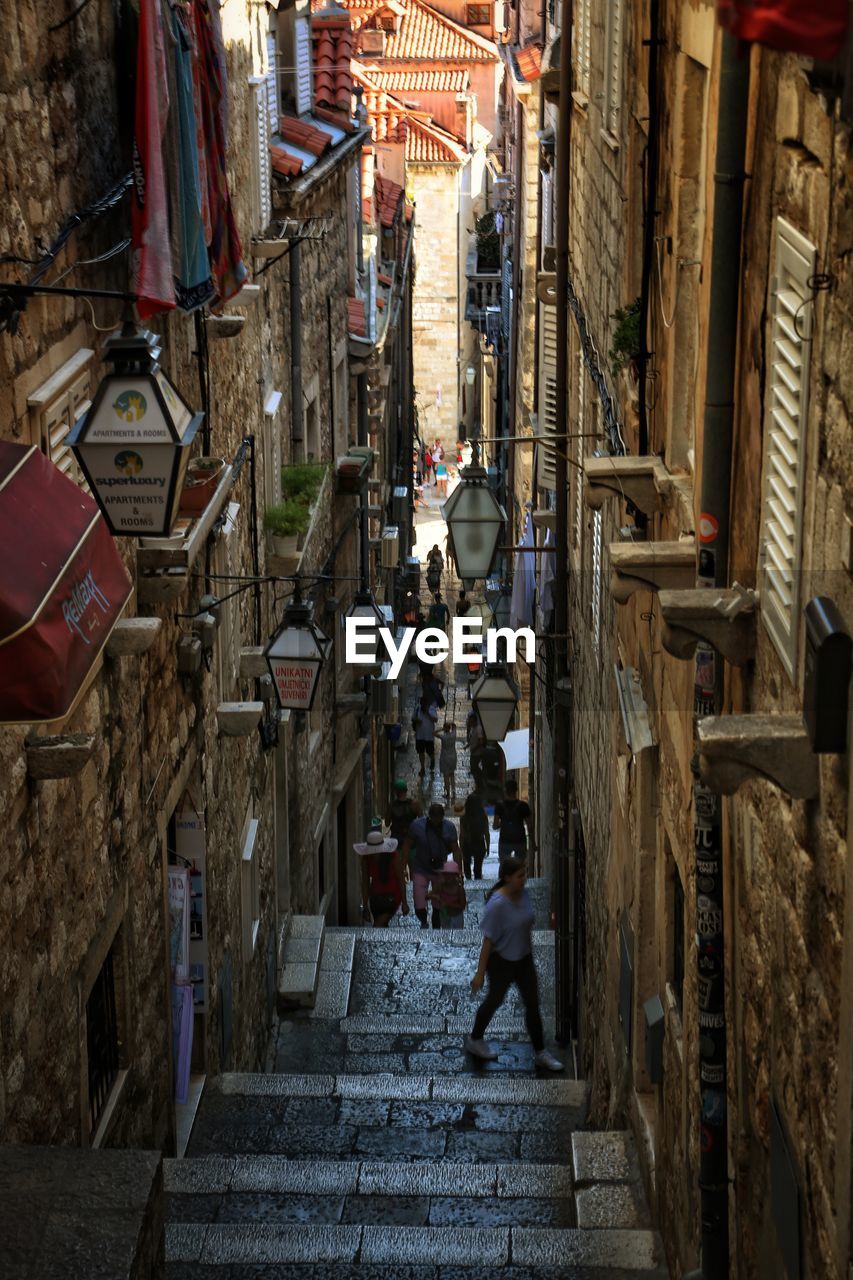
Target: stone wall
x,y
435,319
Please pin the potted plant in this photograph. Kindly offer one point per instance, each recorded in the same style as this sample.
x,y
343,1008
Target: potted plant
x,y
203,476
286,524
302,481
627,340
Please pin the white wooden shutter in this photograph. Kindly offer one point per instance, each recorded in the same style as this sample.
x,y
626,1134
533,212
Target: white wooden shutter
x,y
263,172
582,44
597,547
784,440
547,209
302,58
579,452
613,69
547,394
273,96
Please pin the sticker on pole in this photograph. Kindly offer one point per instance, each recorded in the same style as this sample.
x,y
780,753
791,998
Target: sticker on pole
x,y
709,527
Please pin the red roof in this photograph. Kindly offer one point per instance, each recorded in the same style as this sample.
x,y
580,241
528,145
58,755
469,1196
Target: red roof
x,y
332,37
284,161
428,143
304,135
422,80
529,60
388,198
423,34
356,322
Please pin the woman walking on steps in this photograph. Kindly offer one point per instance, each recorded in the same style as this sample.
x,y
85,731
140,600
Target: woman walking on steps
x,y
507,957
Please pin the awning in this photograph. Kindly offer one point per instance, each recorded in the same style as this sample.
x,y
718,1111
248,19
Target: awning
x,y
62,587
516,749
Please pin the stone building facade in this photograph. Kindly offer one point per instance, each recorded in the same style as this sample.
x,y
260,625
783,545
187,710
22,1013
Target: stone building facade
x,y
637,892
265,823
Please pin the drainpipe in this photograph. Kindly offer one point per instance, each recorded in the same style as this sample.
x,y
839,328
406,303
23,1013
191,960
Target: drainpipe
x,y
297,410
565,998
713,569
650,222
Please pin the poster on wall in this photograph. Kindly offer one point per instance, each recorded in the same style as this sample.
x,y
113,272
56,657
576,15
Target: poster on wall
x,y
179,923
191,847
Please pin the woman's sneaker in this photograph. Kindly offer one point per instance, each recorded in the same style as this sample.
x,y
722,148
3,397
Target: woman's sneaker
x,y
548,1061
479,1049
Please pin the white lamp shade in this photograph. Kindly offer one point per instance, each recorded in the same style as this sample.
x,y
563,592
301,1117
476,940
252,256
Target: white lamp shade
x,y
295,656
495,697
475,519
364,607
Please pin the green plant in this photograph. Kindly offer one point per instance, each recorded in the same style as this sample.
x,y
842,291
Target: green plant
x,y
302,481
287,518
626,342
488,244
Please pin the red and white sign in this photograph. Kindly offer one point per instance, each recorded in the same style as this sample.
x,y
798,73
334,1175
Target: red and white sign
x,y
709,527
295,681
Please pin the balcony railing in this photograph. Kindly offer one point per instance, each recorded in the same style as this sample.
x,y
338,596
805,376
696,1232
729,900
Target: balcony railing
x,y
484,292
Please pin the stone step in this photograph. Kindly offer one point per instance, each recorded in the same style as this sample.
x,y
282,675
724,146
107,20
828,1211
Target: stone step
x,y
301,963
551,1091
482,1249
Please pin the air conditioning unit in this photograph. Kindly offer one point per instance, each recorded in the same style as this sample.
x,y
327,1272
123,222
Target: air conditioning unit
x,y
390,547
383,698
373,42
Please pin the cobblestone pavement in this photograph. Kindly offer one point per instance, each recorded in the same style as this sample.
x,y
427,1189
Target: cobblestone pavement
x,y
376,1148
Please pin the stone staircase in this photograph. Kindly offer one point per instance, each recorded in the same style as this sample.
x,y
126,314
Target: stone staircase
x,y
378,1149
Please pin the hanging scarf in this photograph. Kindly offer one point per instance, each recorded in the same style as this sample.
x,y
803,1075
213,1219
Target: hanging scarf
x,y
797,26
224,249
151,271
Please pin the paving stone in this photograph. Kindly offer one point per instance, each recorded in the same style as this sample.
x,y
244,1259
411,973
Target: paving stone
x,y
192,1208
373,1044
364,1112
428,1179
302,950
391,1210
616,1204
332,1000
474,1147
231,1137
258,1207
403,1144
184,1241
391,1024
549,1148
605,1157
536,1092
298,980
417,1088
524,1119
426,1115
338,950
466,1246
195,1177
278,1174
301,1111
277,1086
305,1140
528,1180
489,1211
254,1242
307,927
375,1063
452,1060
543,1246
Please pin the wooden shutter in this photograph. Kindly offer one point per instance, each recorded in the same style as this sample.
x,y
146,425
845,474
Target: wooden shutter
x,y
302,51
613,72
582,43
272,84
547,394
264,171
547,209
580,451
56,406
597,546
784,439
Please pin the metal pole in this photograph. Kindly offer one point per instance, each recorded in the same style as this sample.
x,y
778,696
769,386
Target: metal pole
x,y
713,570
562,747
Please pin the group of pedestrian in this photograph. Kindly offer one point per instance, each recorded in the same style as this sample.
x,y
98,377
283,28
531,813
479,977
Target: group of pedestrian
x,y
432,460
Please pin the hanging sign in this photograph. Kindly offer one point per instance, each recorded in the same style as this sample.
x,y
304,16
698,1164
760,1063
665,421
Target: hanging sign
x,y
295,681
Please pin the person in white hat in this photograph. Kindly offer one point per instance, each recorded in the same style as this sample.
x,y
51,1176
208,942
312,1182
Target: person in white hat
x,y
383,890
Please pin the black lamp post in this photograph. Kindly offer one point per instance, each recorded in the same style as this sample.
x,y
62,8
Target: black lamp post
x,y
495,697
134,442
295,655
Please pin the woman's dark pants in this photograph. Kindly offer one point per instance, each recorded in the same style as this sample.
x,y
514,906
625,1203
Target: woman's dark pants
x,y
502,974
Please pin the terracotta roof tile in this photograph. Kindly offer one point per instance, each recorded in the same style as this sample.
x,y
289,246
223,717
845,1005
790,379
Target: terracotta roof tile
x,y
423,34
529,60
388,196
356,321
384,279
304,135
422,80
284,162
428,143
332,35
380,303
340,119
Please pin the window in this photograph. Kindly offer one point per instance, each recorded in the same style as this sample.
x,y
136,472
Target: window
x,y
677,939
547,393
613,68
547,208
272,78
54,408
295,62
341,405
311,440
581,45
102,1041
272,449
478,15
789,343
250,886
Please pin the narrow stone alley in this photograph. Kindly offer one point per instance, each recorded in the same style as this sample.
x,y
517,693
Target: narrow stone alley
x,y
375,1147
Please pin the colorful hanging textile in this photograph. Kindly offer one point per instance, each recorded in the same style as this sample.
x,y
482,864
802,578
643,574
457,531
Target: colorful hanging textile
x,y
795,26
190,266
224,249
151,270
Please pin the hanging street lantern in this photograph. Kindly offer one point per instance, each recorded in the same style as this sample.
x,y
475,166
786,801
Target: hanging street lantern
x,y
365,608
134,442
474,519
495,697
295,655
